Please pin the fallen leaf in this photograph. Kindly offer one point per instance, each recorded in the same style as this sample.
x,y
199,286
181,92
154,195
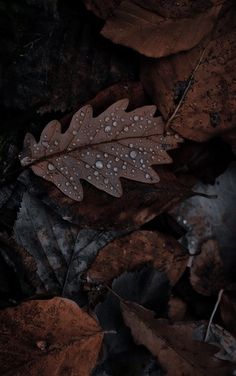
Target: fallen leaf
x,y
228,310
48,337
163,252
176,309
60,250
100,150
207,272
209,106
173,344
153,35
101,9
100,211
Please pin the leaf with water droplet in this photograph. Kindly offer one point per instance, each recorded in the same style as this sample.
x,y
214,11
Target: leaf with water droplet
x,y
101,150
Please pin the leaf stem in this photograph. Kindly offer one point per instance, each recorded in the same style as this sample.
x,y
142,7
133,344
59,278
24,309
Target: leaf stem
x,y
213,314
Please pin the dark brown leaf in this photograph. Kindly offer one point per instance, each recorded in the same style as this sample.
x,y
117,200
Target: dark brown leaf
x,y
207,272
48,337
100,150
163,252
228,310
153,35
173,344
209,106
98,210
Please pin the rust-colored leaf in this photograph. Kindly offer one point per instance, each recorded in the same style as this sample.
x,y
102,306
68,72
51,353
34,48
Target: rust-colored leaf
x,y
207,273
100,150
132,251
153,35
173,345
209,106
48,337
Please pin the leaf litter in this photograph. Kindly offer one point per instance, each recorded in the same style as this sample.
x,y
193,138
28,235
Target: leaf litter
x,y
120,253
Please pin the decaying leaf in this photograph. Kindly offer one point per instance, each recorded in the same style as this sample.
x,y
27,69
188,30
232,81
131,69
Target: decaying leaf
x,y
100,150
163,252
176,309
100,211
207,272
61,251
209,106
228,310
48,337
153,35
173,344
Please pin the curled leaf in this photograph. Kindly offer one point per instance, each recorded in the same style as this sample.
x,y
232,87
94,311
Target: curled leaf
x,y
100,150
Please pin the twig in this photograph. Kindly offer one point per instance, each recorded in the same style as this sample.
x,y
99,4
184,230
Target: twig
x,y
186,89
213,314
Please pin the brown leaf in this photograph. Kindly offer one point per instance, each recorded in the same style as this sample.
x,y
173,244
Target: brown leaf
x,y
153,35
209,106
228,310
100,150
48,337
103,8
207,273
173,344
132,251
176,309
98,210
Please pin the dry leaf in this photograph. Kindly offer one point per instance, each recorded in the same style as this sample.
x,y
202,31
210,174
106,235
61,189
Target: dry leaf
x,y
209,106
48,337
100,211
101,9
163,252
100,150
228,310
153,35
176,309
207,272
173,345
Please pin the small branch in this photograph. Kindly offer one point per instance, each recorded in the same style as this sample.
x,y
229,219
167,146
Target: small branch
x,y
174,114
213,314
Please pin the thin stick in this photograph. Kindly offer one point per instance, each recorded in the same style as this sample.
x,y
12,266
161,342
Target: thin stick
x,y
186,89
213,314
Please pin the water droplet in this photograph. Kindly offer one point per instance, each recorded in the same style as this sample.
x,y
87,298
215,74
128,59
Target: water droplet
x,y
75,188
106,181
124,167
136,118
74,133
99,165
141,160
89,177
95,173
114,123
107,128
105,155
131,145
45,144
87,166
51,167
115,169
108,165
117,159
67,183
126,129
107,119
133,154
82,113
91,138
71,178
56,142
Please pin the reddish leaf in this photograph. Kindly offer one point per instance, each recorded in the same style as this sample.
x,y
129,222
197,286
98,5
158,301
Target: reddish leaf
x,y
173,345
153,35
48,337
209,106
136,249
100,150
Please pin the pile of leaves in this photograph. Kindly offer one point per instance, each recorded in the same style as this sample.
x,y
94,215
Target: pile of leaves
x,y
117,188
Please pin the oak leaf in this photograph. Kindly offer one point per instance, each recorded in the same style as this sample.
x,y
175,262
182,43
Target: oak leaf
x,y
48,337
100,150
